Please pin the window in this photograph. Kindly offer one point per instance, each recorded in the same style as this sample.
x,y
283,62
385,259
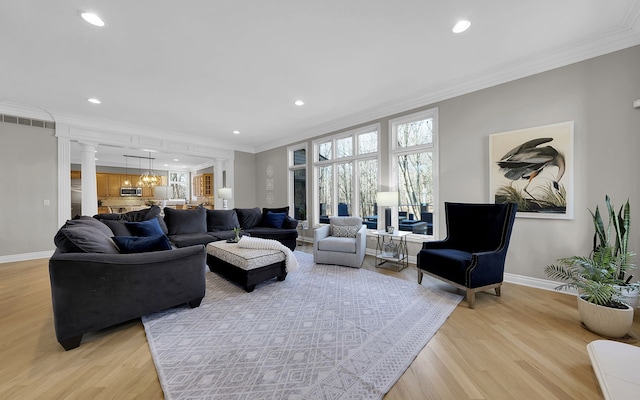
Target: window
x,y
346,175
179,184
413,169
298,181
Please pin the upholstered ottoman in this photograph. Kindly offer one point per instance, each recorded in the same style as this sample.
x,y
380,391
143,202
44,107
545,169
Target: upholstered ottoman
x,y
246,267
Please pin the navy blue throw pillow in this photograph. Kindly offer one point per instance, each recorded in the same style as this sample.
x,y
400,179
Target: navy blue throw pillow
x,y
140,244
149,227
274,220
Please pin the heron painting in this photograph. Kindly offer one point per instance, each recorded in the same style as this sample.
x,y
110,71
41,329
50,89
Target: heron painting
x,y
533,167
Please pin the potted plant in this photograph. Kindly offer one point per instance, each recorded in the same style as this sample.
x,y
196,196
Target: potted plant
x,y
237,231
600,277
617,235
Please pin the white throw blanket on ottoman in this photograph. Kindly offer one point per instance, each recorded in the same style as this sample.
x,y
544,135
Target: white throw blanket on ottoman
x,y
248,242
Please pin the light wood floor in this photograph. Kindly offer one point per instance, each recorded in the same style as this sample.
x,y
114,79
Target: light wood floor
x,y
526,344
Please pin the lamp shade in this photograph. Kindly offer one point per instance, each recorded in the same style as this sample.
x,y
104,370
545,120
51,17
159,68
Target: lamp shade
x,y
224,193
387,199
161,192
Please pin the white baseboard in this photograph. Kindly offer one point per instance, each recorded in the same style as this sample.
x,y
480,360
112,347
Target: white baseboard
x,y
26,256
534,282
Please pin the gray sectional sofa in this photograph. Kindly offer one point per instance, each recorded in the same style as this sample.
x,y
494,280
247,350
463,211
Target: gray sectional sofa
x,y
112,268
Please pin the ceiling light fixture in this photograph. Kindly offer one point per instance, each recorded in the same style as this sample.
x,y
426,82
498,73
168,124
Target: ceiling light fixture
x,y
94,100
236,132
149,179
93,19
299,103
461,26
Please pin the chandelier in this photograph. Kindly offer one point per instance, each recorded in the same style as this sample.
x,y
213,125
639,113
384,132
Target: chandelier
x,y
149,179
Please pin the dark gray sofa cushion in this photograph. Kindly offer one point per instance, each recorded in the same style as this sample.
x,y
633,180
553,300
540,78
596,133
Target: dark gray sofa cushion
x,y
222,220
89,221
185,221
117,226
249,217
192,239
84,239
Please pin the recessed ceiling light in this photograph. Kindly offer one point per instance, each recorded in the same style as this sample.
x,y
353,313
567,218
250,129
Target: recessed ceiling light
x,y
236,132
92,18
94,101
166,165
149,150
299,103
461,26
175,159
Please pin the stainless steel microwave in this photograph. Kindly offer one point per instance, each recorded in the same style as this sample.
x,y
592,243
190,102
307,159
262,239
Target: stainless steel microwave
x,y
130,191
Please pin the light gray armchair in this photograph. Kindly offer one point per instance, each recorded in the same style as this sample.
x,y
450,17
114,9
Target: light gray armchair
x,y
342,242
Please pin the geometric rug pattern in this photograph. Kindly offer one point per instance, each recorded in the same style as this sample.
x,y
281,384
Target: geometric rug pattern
x,y
326,332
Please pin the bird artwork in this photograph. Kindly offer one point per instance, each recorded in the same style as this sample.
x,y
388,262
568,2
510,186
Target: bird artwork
x,y
528,160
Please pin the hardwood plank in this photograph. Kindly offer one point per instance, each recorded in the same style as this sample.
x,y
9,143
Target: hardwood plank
x,y
528,343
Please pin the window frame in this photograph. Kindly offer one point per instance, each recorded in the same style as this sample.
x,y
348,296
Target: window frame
x,y
291,169
395,151
186,183
334,161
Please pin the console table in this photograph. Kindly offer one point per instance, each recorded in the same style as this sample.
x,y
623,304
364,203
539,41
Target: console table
x,y
399,256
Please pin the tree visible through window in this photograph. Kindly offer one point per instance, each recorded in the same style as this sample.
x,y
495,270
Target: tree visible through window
x,y
346,175
414,154
179,184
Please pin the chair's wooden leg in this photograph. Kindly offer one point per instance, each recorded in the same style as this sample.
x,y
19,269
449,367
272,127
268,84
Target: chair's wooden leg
x,y
471,298
420,277
498,293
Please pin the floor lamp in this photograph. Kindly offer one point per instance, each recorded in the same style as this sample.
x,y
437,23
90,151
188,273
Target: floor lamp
x,y
387,200
224,193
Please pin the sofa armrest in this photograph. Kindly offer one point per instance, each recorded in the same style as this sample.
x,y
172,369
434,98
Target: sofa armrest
x,y
92,291
289,223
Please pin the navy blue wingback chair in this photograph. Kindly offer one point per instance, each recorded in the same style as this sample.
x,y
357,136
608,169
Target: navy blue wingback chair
x,y
472,256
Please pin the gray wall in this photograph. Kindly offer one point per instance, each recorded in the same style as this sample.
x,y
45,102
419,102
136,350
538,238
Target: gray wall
x,y
278,161
244,178
29,163
596,94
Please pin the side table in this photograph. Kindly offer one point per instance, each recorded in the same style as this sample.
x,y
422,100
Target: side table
x,y
392,248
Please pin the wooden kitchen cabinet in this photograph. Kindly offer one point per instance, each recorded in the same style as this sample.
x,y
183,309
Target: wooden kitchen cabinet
x,y
207,183
115,182
202,185
102,183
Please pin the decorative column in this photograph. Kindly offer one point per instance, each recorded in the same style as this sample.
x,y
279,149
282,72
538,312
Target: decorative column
x,y
64,180
88,179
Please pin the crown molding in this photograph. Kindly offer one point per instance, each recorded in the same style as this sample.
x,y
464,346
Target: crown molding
x,y
627,35
25,111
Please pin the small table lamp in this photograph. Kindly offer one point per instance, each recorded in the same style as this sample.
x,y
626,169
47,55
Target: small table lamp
x,y
224,193
388,200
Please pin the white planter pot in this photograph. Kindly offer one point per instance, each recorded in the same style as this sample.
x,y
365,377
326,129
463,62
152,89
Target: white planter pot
x,y
629,295
605,321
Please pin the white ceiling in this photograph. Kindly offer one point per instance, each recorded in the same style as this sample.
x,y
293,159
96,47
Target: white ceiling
x,y
203,68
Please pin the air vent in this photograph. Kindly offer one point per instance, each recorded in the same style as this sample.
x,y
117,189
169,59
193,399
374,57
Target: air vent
x,y
10,119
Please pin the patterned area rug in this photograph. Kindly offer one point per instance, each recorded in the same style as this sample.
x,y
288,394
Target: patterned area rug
x,y
326,332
